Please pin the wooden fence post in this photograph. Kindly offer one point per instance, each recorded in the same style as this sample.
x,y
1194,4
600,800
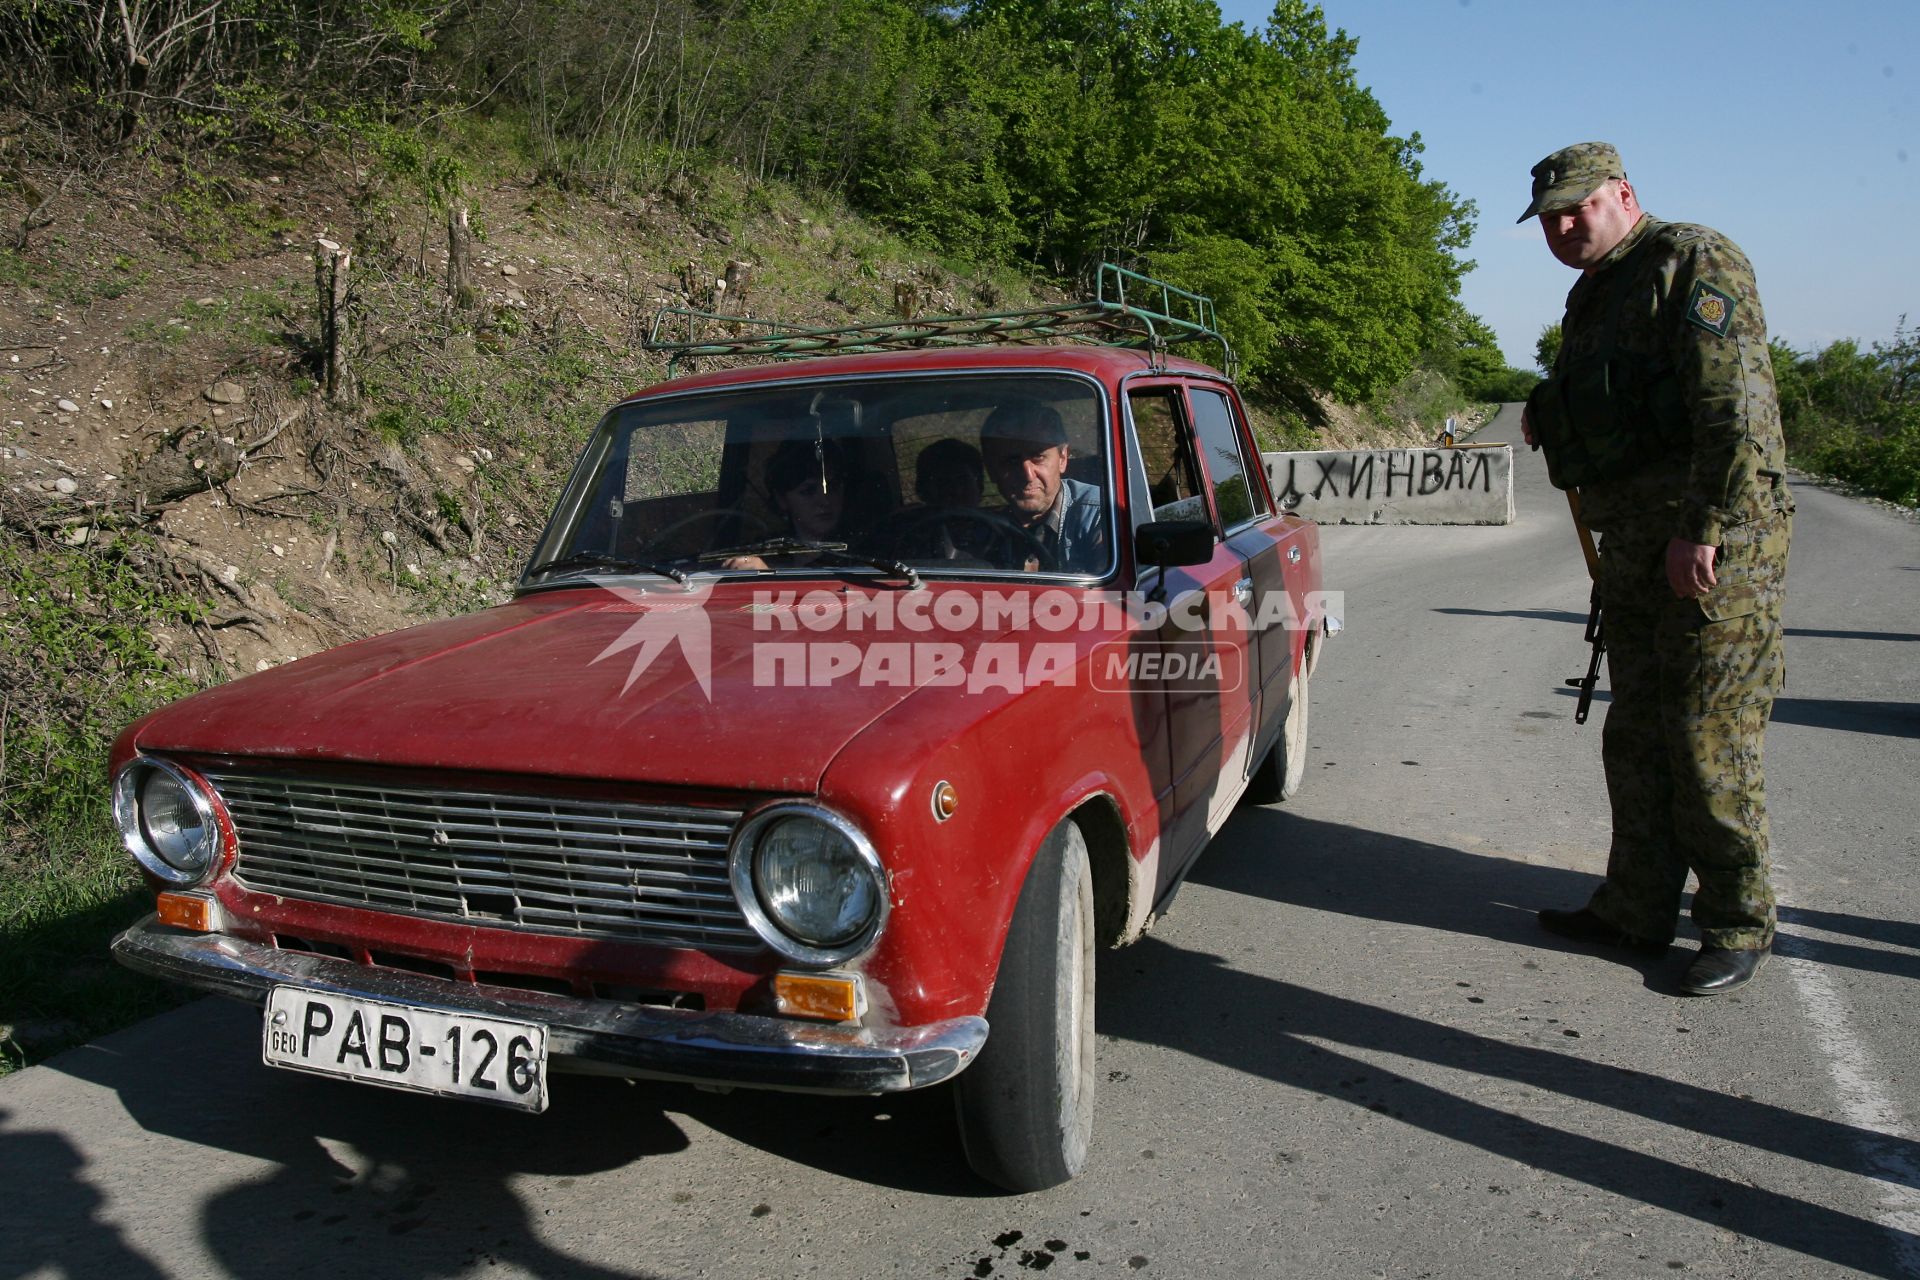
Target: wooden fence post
x,y
460,259
332,267
738,276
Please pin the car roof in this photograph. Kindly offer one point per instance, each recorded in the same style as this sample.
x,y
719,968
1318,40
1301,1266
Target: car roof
x,y
1106,363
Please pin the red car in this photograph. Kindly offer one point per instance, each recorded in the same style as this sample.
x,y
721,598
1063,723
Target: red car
x,y
844,707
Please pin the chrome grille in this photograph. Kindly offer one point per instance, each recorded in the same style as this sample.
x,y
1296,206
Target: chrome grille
x,y
638,873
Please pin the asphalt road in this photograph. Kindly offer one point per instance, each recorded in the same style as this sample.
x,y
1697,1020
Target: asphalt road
x,y
1347,1051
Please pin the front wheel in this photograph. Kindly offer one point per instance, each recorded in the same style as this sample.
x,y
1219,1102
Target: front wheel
x,y
1026,1105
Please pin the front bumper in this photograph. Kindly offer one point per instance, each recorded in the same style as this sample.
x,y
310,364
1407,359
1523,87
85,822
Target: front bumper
x,y
592,1035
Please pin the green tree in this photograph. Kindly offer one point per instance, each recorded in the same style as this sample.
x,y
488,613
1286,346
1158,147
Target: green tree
x,y
1478,365
1900,360
1790,383
1147,132
1239,279
1845,382
1546,348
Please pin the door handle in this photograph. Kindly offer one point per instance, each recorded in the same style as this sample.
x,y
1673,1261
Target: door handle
x,y
1243,593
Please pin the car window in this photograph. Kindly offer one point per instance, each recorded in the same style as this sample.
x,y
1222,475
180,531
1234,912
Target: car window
x,y
1172,481
910,469
684,457
960,417
1234,494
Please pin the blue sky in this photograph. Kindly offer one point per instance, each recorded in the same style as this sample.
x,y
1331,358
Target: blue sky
x,y
1794,128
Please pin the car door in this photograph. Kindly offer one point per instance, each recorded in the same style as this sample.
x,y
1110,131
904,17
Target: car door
x,y
1245,510
1204,666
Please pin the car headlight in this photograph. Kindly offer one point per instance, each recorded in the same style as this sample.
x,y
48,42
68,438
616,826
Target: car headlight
x,y
166,821
810,883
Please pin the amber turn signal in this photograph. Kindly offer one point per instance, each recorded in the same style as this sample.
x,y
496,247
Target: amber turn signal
x,y
828,996
185,911
946,801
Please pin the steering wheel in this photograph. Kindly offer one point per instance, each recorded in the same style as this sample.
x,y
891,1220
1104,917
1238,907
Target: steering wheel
x,y
664,537
1003,536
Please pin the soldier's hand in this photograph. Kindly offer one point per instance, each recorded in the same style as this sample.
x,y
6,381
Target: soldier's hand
x,y
1690,568
1526,428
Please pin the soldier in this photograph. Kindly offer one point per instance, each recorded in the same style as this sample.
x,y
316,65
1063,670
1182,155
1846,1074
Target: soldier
x,y
1661,412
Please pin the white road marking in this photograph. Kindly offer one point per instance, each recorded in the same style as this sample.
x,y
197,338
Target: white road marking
x,y
1864,1102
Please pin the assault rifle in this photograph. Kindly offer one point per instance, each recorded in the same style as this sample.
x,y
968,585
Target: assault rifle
x,y
1596,635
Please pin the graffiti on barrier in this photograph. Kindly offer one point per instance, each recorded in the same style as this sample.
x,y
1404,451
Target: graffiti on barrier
x,y
1368,475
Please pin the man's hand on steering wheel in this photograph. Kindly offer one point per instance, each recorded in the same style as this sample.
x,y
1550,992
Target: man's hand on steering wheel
x,y
1009,546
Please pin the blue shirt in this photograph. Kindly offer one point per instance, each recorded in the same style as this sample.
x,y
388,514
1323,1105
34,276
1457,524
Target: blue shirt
x,y
1074,530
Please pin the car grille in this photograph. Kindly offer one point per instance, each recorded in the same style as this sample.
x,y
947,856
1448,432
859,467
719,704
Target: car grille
x,y
639,873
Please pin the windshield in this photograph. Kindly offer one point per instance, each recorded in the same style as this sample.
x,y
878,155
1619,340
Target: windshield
x,y
984,474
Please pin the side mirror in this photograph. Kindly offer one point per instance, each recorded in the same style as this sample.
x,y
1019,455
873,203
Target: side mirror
x,y
1173,542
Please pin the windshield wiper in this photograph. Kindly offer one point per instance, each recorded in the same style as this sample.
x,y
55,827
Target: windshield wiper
x,y
780,546
802,546
601,560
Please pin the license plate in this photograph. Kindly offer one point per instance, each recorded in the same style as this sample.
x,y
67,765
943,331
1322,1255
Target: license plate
x,y
462,1055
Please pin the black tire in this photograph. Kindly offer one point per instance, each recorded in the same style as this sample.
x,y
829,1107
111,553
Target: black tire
x,y
1026,1105
1279,775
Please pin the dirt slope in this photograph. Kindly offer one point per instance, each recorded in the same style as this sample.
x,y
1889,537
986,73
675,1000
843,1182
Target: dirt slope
x,y
158,365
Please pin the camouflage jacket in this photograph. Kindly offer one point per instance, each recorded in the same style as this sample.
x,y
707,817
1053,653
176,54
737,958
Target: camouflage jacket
x,y
1661,407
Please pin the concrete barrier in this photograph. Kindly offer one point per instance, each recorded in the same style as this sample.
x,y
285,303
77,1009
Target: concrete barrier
x,y
1469,484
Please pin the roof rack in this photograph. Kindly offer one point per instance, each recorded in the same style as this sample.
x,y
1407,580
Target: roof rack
x,y
1155,317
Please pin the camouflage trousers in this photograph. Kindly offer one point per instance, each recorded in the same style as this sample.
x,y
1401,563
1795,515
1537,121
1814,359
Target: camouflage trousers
x,y
1692,685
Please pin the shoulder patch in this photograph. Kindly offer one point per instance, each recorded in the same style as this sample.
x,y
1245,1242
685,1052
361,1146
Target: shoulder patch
x,y
1711,308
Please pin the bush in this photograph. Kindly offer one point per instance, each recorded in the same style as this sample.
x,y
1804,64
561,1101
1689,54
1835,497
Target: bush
x,y
1419,403
218,72
1506,386
1855,415
1885,465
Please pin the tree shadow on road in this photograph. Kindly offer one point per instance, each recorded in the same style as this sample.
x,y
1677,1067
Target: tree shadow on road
x,y
1850,715
1847,715
358,1180
429,1186
1538,615
1494,897
1894,933
1875,959
1377,876
1333,868
54,1222
1580,620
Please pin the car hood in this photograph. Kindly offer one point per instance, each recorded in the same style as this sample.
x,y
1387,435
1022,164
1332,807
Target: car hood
x,y
589,684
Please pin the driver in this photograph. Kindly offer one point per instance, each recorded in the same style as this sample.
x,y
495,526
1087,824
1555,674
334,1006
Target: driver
x,y
1024,446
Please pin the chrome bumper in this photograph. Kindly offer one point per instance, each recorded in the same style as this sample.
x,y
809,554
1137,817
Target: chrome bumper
x,y
593,1035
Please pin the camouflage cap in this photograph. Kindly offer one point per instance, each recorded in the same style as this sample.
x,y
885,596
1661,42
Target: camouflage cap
x,y
1570,175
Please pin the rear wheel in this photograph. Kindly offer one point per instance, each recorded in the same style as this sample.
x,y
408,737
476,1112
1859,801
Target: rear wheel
x,y
1026,1106
1279,775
